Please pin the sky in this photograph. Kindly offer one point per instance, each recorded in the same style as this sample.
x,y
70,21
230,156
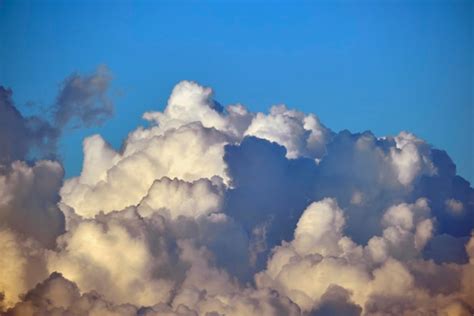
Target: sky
x,y
383,66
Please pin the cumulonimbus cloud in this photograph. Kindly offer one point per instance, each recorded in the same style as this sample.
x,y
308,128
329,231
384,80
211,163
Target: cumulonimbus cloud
x,y
222,211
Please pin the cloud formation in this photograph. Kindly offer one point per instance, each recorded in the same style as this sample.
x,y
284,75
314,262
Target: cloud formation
x,y
19,135
28,200
216,210
82,101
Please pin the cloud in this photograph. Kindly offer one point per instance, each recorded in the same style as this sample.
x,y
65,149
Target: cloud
x,y
21,136
59,296
83,100
190,153
446,185
92,256
213,210
454,206
336,301
189,102
302,135
380,277
180,198
28,198
22,266
261,197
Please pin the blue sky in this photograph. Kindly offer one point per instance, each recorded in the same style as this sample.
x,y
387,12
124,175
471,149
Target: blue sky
x,y
383,66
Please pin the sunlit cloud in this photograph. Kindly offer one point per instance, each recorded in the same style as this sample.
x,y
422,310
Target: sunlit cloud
x,y
212,210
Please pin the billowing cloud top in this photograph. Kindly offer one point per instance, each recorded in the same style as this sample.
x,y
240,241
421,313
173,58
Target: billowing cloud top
x,y
222,211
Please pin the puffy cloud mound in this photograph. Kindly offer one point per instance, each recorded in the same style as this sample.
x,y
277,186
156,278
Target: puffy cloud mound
x,y
214,210
386,275
181,198
92,255
190,153
22,266
59,296
302,135
28,200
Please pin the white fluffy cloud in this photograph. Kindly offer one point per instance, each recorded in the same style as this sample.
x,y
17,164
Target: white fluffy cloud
x,y
92,255
410,157
114,181
59,296
302,135
214,210
22,266
379,277
180,198
189,102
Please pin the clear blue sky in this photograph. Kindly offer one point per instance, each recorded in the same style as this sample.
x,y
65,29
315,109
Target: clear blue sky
x,y
383,66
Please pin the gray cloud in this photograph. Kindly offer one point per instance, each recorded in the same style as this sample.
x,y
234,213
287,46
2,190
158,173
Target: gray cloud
x,y
83,100
336,301
21,135
59,296
28,200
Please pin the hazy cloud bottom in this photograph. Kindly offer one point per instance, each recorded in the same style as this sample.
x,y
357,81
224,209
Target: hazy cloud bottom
x,y
221,211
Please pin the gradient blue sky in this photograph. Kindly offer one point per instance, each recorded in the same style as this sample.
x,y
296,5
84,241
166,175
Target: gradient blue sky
x,y
383,66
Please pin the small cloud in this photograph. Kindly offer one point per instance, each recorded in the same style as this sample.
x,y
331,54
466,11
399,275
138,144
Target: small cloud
x,y
454,206
357,198
83,100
